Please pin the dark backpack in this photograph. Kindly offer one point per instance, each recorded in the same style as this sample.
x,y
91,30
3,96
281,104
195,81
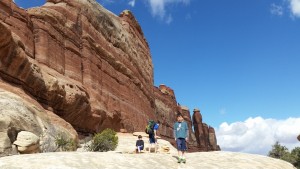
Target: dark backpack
x,y
150,127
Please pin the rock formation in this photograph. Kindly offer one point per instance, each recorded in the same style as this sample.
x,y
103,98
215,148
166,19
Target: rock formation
x,y
27,143
165,109
298,137
18,117
81,65
205,135
187,117
80,61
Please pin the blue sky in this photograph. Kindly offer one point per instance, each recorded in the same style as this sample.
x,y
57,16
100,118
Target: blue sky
x,y
238,61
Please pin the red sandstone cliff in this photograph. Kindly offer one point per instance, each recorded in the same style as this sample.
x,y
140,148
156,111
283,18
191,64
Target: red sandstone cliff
x,y
205,135
85,64
80,61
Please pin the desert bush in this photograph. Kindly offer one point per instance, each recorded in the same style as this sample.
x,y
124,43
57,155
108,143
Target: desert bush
x,y
65,144
107,140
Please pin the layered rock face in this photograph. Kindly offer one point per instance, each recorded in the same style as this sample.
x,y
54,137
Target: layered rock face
x,y
205,135
80,61
165,109
81,64
202,138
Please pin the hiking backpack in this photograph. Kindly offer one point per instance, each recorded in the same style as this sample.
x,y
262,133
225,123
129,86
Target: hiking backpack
x,y
150,127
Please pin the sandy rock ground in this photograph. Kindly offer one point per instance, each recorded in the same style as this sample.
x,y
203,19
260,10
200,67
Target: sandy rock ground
x,y
122,159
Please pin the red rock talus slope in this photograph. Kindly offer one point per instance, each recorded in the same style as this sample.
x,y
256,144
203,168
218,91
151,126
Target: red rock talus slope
x,y
80,61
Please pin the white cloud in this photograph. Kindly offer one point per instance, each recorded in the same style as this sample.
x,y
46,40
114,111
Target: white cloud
x,y
131,3
158,8
257,135
222,111
295,7
276,10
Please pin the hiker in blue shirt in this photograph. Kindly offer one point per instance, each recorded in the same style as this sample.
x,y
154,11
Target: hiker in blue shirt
x,y
151,129
181,135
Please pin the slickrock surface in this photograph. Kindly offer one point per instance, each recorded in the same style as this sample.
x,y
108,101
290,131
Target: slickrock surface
x,y
119,160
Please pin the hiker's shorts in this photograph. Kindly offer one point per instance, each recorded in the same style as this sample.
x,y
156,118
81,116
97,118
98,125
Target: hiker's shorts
x,y
151,139
181,144
140,147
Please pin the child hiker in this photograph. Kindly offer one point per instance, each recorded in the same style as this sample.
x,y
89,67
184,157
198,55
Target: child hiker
x,y
181,134
139,144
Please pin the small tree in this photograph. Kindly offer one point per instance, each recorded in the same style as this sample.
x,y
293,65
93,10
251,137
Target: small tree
x,y
278,151
105,141
296,155
281,152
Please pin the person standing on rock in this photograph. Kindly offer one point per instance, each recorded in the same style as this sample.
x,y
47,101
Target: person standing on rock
x,y
181,135
151,129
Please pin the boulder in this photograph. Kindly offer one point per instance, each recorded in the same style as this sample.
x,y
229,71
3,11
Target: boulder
x,y
298,137
27,126
27,143
26,139
35,148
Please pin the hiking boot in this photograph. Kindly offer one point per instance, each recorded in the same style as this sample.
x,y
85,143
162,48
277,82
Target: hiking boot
x,y
179,160
183,160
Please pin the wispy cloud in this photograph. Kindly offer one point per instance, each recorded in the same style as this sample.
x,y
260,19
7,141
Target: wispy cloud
x,y
295,7
188,16
158,8
222,111
131,3
257,135
169,19
105,2
276,9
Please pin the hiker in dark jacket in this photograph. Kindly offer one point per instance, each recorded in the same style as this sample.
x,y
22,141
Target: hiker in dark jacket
x,y
139,144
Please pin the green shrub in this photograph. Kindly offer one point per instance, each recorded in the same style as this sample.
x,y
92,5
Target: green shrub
x,y
296,155
278,151
107,140
65,144
281,152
